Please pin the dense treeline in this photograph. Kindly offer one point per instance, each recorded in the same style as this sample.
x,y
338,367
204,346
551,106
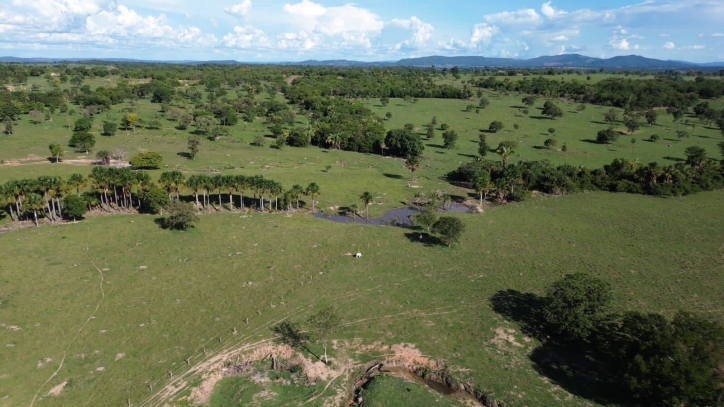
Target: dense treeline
x,y
110,189
630,94
515,181
628,358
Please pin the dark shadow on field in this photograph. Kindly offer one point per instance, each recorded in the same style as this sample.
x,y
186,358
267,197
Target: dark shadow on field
x,y
541,117
677,159
185,155
578,372
437,146
540,147
518,107
704,136
600,122
423,238
393,176
588,140
521,308
468,155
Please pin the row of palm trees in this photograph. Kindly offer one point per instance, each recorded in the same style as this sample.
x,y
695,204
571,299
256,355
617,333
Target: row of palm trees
x,y
121,189
267,193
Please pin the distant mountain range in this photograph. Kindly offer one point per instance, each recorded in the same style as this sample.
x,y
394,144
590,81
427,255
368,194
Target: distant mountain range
x,y
557,61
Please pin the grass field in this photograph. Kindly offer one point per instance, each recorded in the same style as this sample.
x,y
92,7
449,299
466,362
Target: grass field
x,y
113,310
166,296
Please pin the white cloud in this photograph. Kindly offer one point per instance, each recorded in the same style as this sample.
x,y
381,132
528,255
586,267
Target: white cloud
x,y
664,35
559,38
718,35
694,47
621,44
352,24
524,16
669,45
483,33
240,10
421,32
245,37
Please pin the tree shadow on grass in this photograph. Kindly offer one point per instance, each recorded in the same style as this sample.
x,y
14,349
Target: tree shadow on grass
x,y
185,155
393,176
468,155
540,117
588,140
677,159
437,146
424,238
578,372
521,308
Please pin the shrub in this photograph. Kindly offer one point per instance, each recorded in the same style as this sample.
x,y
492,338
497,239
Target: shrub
x,y
147,161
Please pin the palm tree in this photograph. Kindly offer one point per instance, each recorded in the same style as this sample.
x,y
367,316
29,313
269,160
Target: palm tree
x,y
334,140
77,181
504,153
172,182
482,185
7,196
34,203
313,191
217,183
241,183
230,182
196,183
367,198
297,191
413,164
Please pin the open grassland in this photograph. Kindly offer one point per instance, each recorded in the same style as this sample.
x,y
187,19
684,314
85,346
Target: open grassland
x,y
113,304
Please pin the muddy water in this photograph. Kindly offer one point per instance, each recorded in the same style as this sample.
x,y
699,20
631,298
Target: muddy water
x,y
400,216
402,373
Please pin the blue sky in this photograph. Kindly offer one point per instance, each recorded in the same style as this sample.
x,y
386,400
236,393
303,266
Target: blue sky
x,y
371,30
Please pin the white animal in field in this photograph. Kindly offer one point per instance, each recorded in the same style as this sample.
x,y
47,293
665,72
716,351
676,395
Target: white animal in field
x,y
358,255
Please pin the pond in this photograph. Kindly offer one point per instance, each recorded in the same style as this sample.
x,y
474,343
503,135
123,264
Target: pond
x,y
393,217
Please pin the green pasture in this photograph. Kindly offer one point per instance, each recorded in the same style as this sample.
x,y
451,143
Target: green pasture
x,y
126,302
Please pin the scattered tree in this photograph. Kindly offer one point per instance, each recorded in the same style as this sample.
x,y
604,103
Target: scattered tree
x,y
424,219
575,306
549,143
449,229
651,117
104,157
82,141
82,124
696,156
483,146
495,126
631,124
551,110
56,151
324,324
182,215
450,137
611,116
194,142
607,136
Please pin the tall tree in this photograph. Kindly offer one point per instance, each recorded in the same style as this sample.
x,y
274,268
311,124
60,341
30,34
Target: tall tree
x,y
413,163
324,324
313,191
367,198
481,184
193,145
56,151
